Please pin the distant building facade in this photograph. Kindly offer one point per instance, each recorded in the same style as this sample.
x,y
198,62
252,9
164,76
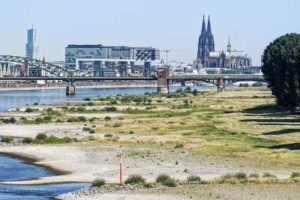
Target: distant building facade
x,y
207,57
32,44
91,53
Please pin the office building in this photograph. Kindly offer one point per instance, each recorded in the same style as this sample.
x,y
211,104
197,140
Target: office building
x,y
32,44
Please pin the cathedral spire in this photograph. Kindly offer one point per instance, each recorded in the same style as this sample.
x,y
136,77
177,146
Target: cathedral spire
x,y
203,31
229,44
209,33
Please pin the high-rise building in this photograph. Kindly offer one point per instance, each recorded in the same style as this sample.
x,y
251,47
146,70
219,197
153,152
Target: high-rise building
x,y
32,45
207,57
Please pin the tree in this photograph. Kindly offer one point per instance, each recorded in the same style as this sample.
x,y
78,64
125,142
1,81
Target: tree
x,y
281,69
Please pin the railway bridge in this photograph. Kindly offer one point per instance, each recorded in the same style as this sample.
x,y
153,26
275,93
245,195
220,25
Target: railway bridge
x,y
162,76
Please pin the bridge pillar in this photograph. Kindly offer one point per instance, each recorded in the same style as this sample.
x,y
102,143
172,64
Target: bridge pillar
x,y
220,84
70,90
162,80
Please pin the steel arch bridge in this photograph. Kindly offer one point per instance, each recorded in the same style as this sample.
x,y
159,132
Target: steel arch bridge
x,y
55,70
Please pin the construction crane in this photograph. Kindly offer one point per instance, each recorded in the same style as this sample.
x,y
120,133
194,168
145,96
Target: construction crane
x,y
166,51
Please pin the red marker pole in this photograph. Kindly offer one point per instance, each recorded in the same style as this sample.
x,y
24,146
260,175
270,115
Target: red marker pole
x,y
121,164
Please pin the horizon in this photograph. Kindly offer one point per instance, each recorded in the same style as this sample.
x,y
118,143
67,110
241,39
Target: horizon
x,y
172,25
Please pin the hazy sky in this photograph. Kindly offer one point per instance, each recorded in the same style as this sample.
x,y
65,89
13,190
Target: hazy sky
x,y
164,24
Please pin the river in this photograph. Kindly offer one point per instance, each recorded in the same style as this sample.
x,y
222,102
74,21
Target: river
x,y
16,169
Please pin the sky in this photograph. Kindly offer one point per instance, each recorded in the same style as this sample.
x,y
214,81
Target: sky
x,y
164,24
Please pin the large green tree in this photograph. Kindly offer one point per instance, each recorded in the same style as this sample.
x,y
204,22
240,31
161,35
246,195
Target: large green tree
x,y
281,69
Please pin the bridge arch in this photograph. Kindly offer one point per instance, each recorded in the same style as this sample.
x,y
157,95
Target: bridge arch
x,y
40,64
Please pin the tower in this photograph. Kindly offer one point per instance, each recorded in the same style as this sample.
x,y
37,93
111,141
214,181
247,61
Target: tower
x,y
229,45
32,45
210,37
203,48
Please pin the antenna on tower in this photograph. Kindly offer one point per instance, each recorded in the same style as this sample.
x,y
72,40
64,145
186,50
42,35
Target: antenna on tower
x,y
167,52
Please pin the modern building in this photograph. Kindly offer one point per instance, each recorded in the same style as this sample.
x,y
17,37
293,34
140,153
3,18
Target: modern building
x,y
207,57
32,44
99,56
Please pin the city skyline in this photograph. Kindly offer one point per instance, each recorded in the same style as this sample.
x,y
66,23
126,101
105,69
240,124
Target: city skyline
x,y
173,25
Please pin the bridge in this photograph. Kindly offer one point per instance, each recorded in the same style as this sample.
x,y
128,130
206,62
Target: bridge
x,y
162,76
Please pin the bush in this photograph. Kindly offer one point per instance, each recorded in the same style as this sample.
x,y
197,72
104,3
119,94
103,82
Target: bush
x,y
295,174
240,175
41,136
116,125
98,183
29,110
268,175
81,119
166,180
178,146
194,179
39,120
108,135
257,84
254,175
47,118
90,104
135,179
27,140
110,109
12,120
87,99
7,139
107,118
148,185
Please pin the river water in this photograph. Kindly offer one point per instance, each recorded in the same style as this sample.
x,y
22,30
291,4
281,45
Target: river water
x,y
16,169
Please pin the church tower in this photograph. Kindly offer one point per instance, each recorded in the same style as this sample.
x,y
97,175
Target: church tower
x,y
210,37
203,49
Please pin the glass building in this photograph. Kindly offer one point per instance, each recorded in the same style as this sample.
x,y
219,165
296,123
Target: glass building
x,y
32,45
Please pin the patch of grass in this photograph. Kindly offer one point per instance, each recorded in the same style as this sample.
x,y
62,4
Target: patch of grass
x,y
166,180
268,175
295,175
179,146
193,179
98,183
135,179
255,175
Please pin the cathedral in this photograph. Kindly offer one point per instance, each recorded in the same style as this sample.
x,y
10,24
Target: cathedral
x,y
207,57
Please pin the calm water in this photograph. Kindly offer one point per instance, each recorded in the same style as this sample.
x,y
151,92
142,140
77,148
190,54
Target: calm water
x,y
15,169
15,99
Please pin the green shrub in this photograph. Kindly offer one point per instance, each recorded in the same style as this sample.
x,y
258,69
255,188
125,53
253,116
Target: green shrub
x,y
131,132
47,118
27,140
240,175
81,109
7,139
255,175
268,175
257,84
107,118
194,179
90,104
295,174
29,110
98,183
41,136
116,125
39,120
12,120
166,180
135,179
92,131
148,185
110,109
108,135
81,119
178,146
87,99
